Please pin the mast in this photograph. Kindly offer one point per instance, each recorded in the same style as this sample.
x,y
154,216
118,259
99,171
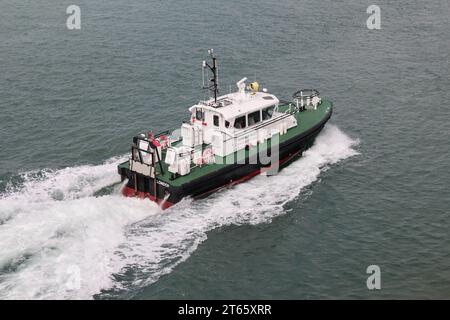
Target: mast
x,y
214,86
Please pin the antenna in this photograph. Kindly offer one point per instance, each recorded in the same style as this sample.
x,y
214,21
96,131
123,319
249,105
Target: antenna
x,y
214,86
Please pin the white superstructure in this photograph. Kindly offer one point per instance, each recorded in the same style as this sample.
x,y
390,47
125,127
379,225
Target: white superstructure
x,y
221,127
226,124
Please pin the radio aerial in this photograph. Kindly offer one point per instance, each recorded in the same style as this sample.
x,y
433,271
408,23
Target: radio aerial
x,y
213,84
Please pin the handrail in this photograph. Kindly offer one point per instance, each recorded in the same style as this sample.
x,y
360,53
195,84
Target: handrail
x,y
263,124
299,93
155,150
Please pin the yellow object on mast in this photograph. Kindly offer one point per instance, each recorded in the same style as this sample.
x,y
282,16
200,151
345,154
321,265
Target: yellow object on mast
x,y
254,86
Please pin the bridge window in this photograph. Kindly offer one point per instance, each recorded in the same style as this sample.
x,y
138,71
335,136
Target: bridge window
x,y
254,117
227,124
199,114
267,112
216,121
240,123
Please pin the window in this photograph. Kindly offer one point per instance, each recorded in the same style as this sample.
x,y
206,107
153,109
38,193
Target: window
x,y
227,124
199,115
216,121
267,112
240,123
254,117
224,102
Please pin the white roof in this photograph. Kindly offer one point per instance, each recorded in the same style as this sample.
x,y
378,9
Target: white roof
x,y
236,104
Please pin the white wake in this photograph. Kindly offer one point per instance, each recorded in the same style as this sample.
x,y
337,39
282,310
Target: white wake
x,y
154,246
59,241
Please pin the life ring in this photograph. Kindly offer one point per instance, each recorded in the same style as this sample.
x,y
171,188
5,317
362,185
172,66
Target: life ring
x,y
207,156
164,141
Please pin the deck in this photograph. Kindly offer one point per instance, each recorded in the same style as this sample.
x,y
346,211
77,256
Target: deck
x,y
306,120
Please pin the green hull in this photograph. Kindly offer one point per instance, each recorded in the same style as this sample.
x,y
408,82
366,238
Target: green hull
x,y
207,178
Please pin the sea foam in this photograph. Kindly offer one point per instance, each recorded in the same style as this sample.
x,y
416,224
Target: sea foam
x,y
60,241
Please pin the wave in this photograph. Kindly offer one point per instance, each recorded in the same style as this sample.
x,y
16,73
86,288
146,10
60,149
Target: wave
x,y
155,246
60,239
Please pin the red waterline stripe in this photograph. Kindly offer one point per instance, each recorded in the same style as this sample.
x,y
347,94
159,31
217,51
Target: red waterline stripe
x,y
249,176
129,192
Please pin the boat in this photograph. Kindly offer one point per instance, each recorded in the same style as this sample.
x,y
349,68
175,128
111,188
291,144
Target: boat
x,y
228,139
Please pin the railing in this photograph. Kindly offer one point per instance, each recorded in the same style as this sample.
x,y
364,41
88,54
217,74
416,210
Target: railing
x,y
305,93
151,151
292,110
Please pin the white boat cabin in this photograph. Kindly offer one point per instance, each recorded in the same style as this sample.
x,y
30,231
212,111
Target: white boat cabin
x,y
230,123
